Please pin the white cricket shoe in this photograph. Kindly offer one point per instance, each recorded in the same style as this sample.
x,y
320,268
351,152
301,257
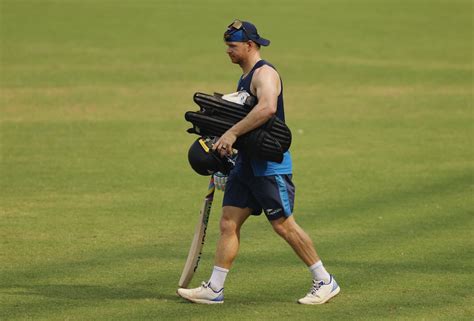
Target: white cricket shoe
x,y
203,294
321,292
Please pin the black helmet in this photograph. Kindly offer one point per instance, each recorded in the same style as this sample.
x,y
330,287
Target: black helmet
x,y
205,161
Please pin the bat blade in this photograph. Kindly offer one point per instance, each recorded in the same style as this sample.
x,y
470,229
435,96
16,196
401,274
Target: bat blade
x,y
195,251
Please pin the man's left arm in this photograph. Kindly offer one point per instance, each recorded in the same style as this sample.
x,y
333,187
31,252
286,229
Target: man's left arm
x,y
267,87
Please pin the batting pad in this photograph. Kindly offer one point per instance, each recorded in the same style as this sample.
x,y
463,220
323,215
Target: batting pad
x,y
217,115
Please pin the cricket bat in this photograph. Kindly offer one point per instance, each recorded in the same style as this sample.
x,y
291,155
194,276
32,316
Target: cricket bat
x,y
195,251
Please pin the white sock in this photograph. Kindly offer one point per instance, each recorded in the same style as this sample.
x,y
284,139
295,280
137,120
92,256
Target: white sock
x,y
218,278
319,272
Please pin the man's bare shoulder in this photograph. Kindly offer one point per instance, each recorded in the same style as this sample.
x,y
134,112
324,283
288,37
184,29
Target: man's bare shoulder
x,y
266,78
266,71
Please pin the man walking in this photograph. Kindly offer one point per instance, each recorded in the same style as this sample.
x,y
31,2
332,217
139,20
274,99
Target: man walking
x,y
254,184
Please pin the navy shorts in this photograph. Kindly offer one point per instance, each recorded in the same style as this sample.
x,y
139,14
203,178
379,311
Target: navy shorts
x,y
274,194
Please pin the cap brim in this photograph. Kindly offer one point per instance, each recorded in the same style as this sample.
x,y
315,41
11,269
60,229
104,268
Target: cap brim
x,y
262,41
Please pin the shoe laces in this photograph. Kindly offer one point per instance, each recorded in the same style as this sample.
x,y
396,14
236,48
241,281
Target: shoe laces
x,y
316,286
207,285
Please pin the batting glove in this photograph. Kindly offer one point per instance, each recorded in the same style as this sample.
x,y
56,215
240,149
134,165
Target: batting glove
x,y
220,180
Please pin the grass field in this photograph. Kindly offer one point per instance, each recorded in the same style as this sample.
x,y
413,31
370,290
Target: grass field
x,y
98,203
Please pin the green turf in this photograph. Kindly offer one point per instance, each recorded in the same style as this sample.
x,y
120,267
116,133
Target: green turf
x,y
98,203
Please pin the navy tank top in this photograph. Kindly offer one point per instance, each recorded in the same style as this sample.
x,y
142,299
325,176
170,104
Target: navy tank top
x,y
257,166
245,82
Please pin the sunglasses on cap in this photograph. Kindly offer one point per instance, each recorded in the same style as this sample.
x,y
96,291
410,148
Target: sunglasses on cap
x,y
234,27
237,24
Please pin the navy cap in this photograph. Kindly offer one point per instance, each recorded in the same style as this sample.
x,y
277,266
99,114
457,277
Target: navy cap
x,y
242,31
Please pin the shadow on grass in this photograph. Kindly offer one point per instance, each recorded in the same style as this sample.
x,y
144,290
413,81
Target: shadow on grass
x,y
59,297
49,299
457,182
91,292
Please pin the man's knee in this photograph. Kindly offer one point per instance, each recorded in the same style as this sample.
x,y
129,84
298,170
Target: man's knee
x,y
284,226
280,230
232,219
227,225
